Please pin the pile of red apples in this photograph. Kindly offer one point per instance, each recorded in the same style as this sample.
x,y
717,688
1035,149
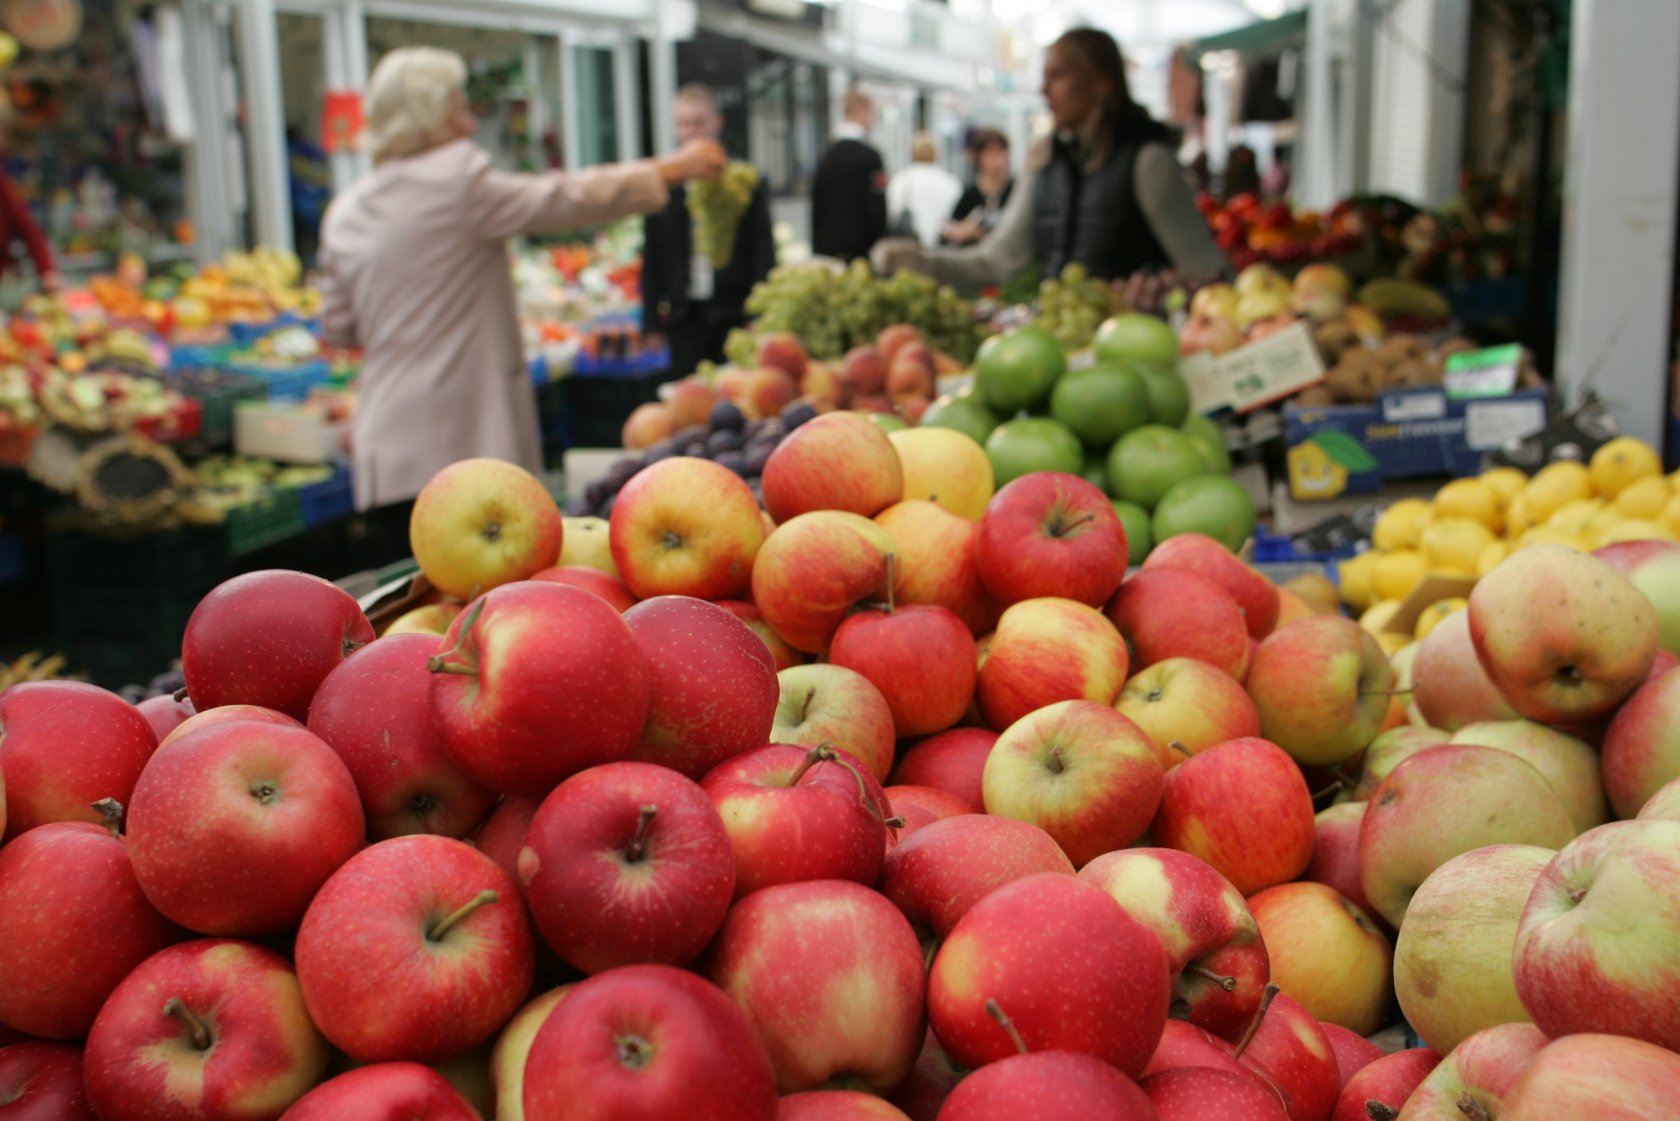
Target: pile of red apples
x,y
874,811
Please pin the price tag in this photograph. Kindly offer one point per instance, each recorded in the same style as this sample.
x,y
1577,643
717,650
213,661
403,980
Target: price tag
x,y
1271,368
1200,371
1483,373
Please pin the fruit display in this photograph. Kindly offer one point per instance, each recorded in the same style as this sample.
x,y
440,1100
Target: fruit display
x,y
1250,231
1073,305
835,311
889,800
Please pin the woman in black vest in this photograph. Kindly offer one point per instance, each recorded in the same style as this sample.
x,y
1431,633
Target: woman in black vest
x,y
1105,191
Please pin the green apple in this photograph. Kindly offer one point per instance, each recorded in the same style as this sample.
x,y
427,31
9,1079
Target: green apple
x,y
1169,396
1101,404
1147,462
1017,369
1139,537
1206,433
964,412
1215,505
1136,336
888,422
1020,447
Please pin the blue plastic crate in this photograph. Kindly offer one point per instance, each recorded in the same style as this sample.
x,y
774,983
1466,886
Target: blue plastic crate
x,y
647,362
197,357
289,383
330,500
245,335
1273,549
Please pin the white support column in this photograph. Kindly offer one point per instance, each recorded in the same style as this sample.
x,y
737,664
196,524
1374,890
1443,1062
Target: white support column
x,y
536,110
335,68
662,68
352,17
208,202
1615,319
571,151
265,129
627,99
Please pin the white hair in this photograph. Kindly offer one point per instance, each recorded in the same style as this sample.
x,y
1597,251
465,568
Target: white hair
x,y
410,99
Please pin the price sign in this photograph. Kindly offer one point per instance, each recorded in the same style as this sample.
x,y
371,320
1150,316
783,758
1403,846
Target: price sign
x,y
1483,373
1271,368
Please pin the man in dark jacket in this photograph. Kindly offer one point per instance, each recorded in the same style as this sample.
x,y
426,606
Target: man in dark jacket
x,y
685,298
849,191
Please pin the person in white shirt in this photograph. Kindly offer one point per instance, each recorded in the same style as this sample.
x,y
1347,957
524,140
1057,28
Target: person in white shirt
x,y
921,197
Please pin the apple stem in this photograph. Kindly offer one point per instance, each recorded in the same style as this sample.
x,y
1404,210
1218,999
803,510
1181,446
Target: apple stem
x,y
1229,984
440,663
1181,749
996,1012
895,823
444,925
819,754
179,695
1576,894
176,1009
1254,1024
112,811
1377,1111
633,1051
1336,784
1472,1108
805,709
638,843
1062,529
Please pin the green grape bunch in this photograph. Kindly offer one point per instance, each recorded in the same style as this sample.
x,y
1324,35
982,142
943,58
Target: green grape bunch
x,y
1073,306
835,311
716,206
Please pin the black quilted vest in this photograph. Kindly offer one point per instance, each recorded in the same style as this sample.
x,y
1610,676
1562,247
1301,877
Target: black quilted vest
x,y
1093,217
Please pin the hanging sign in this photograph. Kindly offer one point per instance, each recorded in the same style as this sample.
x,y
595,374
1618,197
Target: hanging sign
x,y
341,121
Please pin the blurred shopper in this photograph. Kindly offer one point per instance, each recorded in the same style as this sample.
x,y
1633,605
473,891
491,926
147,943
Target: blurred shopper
x,y
921,197
982,202
415,270
695,302
17,224
849,190
1104,191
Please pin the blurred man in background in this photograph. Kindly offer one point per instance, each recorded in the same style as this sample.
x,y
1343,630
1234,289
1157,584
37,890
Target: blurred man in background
x,y
849,191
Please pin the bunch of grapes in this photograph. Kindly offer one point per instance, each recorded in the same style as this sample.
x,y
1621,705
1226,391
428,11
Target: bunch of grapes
x,y
1074,306
716,205
1160,292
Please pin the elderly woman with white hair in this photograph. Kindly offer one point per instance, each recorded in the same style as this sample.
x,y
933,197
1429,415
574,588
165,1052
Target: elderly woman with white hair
x,y
415,270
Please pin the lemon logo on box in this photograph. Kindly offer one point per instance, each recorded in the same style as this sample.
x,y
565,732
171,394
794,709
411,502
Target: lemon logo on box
x,y
1320,465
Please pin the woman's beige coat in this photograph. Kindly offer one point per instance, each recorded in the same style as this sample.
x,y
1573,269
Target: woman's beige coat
x,y
415,269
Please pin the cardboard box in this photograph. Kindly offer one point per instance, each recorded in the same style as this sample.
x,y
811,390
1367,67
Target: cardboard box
x,y
1407,433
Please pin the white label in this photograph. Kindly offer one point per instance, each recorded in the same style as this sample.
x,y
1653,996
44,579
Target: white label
x,y
1271,368
700,278
1200,371
1491,424
1414,406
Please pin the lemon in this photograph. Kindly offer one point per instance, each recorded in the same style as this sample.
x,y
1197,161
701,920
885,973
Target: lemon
x,y
1643,498
1575,513
1555,484
1354,576
1638,529
1621,463
1377,617
1517,520
1546,535
1455,544
1670,516
1508,481
1592,531
1474,499
1436,613
1398,526
1396,574
1492,556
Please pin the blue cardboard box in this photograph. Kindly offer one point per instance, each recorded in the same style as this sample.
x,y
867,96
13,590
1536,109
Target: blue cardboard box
x,y
1405,433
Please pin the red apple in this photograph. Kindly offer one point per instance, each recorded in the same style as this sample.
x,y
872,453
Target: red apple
x,y
841,461
930,1082
1048,1086
647,424
815,569
865,370
1594,951
922,659
1386,753
837,1105
1569,765
1055,964
1049,650
894,339
73,923
1326,952
1210,938
1353,1051
374,711
1564,636
767,392
502,835
648,1043
384,1092
406,927
213,1028
1185,706
832,976
1197,1093
784,351
1664,804
609,588
1604,1077
537,682
1289,1046
711,683
218,812
625,864
910,378
690,400
781,653
1642,748
269,639
65,746
953,761
1449,686
1081,772
1183,1045
1479,1073
686,526
936,874
1322,689
828,704
165,713
800,814
923,805
42,1082
1051,534
479,524
1199,553
1169,613
1335,858
229,714
938,551
1387,1081
1244,808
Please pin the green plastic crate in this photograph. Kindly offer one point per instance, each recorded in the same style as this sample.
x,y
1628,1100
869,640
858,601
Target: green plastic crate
x,y
276,517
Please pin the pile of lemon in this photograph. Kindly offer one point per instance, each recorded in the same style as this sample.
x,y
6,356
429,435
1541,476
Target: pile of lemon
x,y
1472,524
